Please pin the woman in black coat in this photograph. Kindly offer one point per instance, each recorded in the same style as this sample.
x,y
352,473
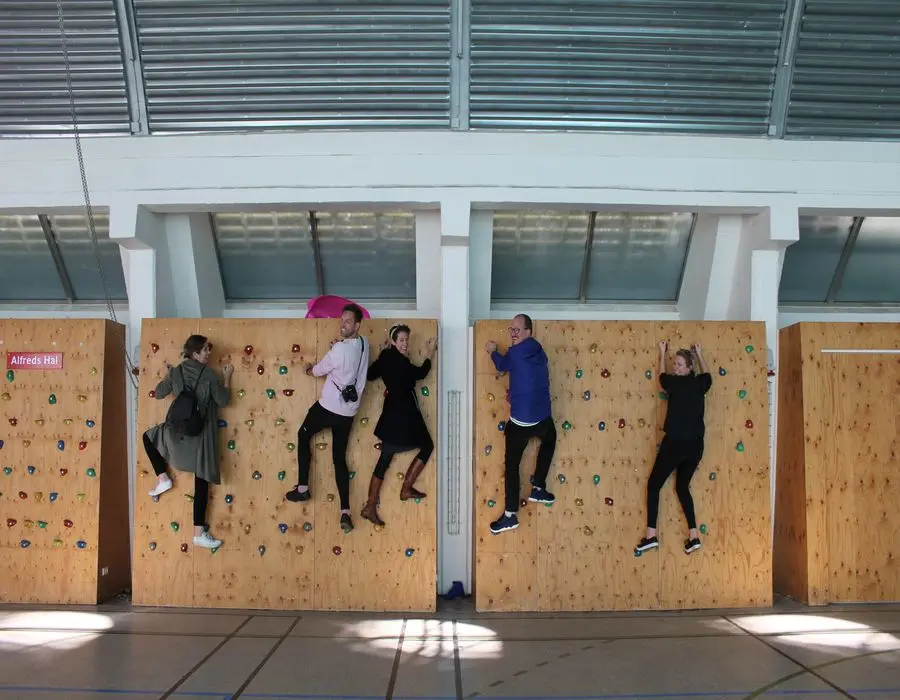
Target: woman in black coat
x,y
401,427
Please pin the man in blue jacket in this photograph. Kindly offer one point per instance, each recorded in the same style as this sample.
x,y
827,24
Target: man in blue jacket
x,y
529,416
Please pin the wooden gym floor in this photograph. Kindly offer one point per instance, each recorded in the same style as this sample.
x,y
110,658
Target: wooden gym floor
x,y
116,651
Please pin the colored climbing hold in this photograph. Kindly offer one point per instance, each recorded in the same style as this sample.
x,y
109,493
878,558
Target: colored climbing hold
x,y
567,426
249,422
89,423
68,421
664,396
491,397
10,375
52,399
748,424
601,426
261,549
57,542
287,392
68,523
425,391
174,526
641,422
364,421
321,445
491,503
704,529
82,398
213,550
229,499
184,547
586,396
221,423
155,499
561,478
1,444
281,476
352,475
637,553
53,496
282,370
579,502
648,374
409,551
154,347
270,393
621,423
241,393
593,348
336,550
712,476
248,349
24,544
94,371
608,501
742,394
82,446
330,498
748,348
418,500
487,450
299,549
722,372
523,503
295,348
307,527
63,471
7,470
740,446
152,546
10,522
247,529
256,476
13,422
42,524
605,374
596,479
151,394
38,496
5,396
587,531
260,369
279,421
579,373
26,443
282,527
81,544
39,421
189,497
231,445
291,447
30,469
80,497
91,472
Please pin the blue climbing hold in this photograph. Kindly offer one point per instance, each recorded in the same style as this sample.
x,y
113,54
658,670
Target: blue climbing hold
x,y
1,444
81,544
24,544
222,423
30,469
60,445
282,527
501,426
89,423
53,496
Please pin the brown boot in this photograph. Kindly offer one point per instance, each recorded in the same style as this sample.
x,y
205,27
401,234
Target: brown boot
x,y
370,510
407,491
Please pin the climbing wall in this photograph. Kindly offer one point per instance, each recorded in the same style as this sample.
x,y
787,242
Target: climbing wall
x,y
578,553
277,554
836,517
63,454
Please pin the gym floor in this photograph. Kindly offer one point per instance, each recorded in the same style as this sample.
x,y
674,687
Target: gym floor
x,y
116,651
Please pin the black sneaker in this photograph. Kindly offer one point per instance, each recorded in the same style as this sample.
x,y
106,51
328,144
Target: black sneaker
x,y
505,522
294,496
691,545
646,544
539,495
346,523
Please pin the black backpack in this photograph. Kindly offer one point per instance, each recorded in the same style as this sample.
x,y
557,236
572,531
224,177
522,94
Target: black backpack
x,y
184,416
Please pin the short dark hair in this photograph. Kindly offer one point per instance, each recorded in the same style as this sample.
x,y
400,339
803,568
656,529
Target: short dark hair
x,y
398,329
355,310
194,344
688,357
526,321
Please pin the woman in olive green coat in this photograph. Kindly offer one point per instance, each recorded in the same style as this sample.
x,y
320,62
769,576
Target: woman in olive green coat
x,y
199,454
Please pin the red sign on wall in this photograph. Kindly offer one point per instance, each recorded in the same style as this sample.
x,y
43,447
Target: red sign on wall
x,y
34,360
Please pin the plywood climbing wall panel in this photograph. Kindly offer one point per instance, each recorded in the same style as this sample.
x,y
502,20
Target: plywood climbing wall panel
x,y
63,454
838,446
578,553
277,554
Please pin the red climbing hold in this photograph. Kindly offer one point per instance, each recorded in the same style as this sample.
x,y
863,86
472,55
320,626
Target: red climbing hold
x,y
68,523
260,369
295,348
184,547
13,421
605,374
63,472
287,392
151,394
10,522
82,445
154,347
748,424
248,349
621,422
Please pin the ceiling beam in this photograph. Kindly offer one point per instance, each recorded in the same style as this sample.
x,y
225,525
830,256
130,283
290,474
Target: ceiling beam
x,y
841,268
134,69
317,252
784,75
586,264
460,42
56,254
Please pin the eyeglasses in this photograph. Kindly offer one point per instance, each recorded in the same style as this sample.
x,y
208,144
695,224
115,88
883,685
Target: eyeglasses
x,y
515,331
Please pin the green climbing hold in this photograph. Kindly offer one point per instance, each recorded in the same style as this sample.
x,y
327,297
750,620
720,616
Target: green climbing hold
x,y
742,394
291,447
52,399
425,391
561,478
566,425
281,476
282,370
174,526
352,474
270,393
748,348
231,444
10,375
42,524
579,373
648,374
91,472
418,500
712,476
492,503
663,395
596,479
704,529
740,446
214,550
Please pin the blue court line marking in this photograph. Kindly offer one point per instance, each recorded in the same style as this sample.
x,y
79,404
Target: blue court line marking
x,y
332,696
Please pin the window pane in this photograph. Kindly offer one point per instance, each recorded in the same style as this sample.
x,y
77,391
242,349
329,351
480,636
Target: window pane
x,y
538,255
638,257
368,255
81,260
873,270
810,263
27,272
266,256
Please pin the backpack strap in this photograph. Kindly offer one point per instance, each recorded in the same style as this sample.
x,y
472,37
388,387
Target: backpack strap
x,y
184,382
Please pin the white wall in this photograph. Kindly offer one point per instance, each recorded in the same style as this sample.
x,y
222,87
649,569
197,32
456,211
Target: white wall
x,y
748,193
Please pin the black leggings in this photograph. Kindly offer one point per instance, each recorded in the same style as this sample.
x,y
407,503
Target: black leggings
x,y
426,447
682,457
517,438
201,486
317,419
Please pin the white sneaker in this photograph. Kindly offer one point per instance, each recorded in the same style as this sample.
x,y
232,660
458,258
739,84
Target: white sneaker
x,y
161,487
206,540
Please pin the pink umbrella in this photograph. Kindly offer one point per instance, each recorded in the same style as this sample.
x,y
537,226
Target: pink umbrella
x,y
329,306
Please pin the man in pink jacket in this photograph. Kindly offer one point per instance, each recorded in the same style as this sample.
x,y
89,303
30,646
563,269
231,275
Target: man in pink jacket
x,y
344,367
